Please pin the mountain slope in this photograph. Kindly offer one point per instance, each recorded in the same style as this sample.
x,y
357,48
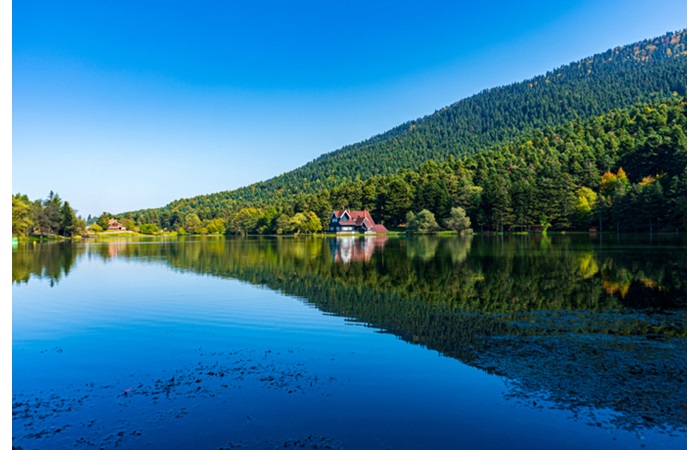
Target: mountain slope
x,y
649,70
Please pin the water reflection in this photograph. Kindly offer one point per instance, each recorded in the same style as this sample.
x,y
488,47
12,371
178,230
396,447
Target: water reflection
x,y
51,261
351,248
586,324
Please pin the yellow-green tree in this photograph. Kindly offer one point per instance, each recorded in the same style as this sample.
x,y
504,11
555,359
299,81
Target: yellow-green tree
x,y
148,228
423,222
22,218
458,220
583,213
313,223
246,220
301,222
128,223
216,226
192,223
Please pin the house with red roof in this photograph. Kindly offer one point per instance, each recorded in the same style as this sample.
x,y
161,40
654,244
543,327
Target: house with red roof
x,y
346,221
115,225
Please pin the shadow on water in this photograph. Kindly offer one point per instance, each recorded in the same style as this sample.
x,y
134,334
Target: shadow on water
x,y
575,322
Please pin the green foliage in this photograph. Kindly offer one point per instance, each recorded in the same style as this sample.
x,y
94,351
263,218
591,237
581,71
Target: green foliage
x,y
216,226
313,223
49,214
297,223
432,195
458,221
69,222
80,227
423,222
22,218
95,228
148,228
283,224
513,157
52,216
410,221
247,220
128,223
103,220
394,200
585,206
306,222
558,178
192,223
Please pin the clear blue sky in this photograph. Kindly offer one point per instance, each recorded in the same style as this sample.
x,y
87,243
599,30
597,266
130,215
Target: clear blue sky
x,y
125,105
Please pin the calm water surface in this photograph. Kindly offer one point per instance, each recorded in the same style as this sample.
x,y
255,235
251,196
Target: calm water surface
x,y
535,342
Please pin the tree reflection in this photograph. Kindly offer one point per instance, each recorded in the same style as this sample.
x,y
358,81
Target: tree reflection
x,y
50,261
581,323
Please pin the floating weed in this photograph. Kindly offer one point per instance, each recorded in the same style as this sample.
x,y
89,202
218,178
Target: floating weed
x,y
44,415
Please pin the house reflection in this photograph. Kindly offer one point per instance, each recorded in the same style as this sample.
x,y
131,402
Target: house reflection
x,y
115,248
351,248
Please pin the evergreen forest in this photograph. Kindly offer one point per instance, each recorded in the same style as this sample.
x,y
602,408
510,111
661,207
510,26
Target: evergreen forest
x,y
601,143
625,170
51,216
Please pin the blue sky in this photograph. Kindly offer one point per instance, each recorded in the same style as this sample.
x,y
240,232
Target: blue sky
x,y
119,106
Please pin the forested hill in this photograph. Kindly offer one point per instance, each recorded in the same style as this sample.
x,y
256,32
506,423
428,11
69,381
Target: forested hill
x,y
645,71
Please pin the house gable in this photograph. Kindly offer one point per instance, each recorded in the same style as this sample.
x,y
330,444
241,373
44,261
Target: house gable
x,y
347,221
115,225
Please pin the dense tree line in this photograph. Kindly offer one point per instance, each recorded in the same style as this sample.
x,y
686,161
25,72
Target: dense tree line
x,y
625,170
51,216
647,71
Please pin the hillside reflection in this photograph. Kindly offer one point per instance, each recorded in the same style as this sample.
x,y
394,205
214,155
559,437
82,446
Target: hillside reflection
x,y
596,326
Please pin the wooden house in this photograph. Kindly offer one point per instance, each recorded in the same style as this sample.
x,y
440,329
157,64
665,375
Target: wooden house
x,y
346,221
115,225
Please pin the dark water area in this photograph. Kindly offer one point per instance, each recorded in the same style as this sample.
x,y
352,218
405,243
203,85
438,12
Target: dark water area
x,y
566,341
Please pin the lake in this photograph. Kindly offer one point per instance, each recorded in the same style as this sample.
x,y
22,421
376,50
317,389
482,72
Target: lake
x,y
529,342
